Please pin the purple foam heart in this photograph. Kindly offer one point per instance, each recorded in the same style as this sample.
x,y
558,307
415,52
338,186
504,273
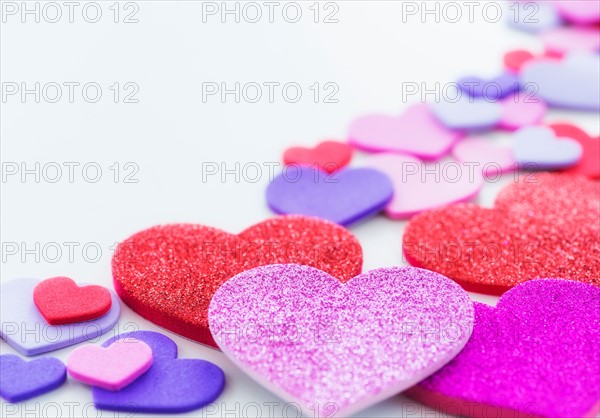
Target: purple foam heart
x,y
532,16
25,329
494,89
171,385
21,380
467,113
573,82
534,355
537,147
318,342
344,197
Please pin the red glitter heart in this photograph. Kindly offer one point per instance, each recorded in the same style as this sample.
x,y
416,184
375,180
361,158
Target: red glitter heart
x,y
168,274
544,225
589,165
329,156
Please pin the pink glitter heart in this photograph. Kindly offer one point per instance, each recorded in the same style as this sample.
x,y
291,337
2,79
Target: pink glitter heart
x,y
534,355
336,348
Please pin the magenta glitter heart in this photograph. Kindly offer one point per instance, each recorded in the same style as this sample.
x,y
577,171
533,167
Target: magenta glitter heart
x,y
337,348
534,355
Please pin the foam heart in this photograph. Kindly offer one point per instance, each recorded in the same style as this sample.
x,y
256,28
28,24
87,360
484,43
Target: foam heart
x,y
571,83
579,11
415,132
589,165
317,342
467,113
171,385
344,197
21,380
26,330
521,110
516,59
537,147
168,274
561,41
532,17
494,89
491,159
329,156
545,225
419,186
61,301
110,368
534,355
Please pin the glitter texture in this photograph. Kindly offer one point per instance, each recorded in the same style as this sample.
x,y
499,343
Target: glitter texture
x,y
316,341
546,225
169,273
534,355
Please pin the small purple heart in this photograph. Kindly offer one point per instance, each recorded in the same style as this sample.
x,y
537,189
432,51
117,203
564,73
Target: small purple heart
x,y
344,197
21,380
171,385
538,147
467,113
572,83
496,88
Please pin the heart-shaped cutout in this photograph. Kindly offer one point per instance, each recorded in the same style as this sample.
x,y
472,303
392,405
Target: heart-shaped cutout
x,y
61,301
570,83
581,12
328,156
25,329
111,368
516,59
168,274
589,165
532,16
492,160
341,347
521,110
495,88
344,197
422,186
171,385
537,147
21,380
533,231
467,113
534,355
415,132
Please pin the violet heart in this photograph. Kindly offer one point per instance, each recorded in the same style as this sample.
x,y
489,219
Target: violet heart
x,y
535,354
318,342
25,329
415,132
570,83
344,197
492,160
171,385
467,113
532,16
21,380
422,186
494,89
536,147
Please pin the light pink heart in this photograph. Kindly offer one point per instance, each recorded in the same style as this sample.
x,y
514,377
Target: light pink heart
x,y
420,186
561,40
337,348
522,109
415,132
493,159
111,368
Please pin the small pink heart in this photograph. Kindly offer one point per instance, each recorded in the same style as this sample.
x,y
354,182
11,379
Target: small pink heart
x,y
494,160
522,109
419,186
111,368
416,132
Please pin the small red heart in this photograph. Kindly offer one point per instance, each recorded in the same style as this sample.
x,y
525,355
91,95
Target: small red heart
x,y
589,165
168,274
545,225
61,301
329,156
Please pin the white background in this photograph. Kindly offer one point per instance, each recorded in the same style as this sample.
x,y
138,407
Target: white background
x,y
169,53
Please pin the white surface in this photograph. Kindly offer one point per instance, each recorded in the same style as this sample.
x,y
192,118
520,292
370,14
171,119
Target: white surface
x,y
170,132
